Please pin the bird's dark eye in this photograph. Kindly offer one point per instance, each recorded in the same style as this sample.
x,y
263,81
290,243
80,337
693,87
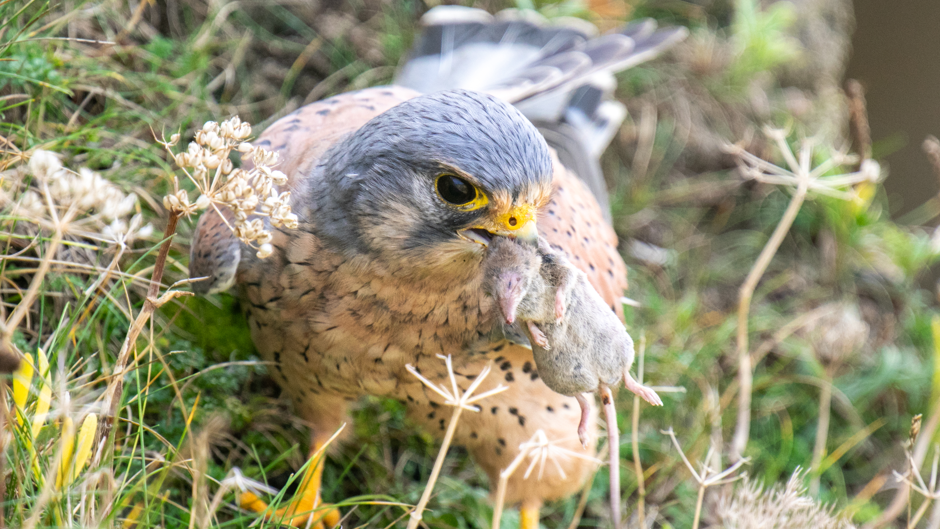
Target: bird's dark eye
x,y
455,190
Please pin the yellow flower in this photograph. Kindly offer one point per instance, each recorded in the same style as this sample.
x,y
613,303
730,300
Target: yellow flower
x,y
86,436
864,193
68,443
22,379
45,394
73,461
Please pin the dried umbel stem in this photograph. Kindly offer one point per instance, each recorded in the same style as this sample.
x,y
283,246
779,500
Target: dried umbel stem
x,y
538,449
804,179
822,433
248,192
835,337
706,477
112,398
459,401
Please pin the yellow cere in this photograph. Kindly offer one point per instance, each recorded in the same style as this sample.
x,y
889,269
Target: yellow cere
x,y
517,217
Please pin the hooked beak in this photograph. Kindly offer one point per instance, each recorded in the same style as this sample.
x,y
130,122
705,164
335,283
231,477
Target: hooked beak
x,y
518,223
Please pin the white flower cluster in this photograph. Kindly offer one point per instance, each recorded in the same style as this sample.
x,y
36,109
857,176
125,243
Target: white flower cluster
x,y
249,193
99,205
86,190
754,505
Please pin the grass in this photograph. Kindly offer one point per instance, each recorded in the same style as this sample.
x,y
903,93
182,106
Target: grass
x,y
95,82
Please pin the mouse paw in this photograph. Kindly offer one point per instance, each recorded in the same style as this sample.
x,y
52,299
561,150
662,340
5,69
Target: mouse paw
x,y
537,335
642,391
583,436
585,417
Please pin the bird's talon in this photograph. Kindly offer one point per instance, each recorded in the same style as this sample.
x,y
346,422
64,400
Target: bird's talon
x,y
300,512
306,509
250,502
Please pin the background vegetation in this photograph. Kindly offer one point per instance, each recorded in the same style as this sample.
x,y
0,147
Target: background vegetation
x,y
839,317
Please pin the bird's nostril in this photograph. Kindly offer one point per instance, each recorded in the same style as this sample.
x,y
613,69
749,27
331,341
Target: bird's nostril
x,y
513,221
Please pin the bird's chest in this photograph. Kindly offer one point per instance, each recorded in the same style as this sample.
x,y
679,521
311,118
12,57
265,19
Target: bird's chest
x,y
328,325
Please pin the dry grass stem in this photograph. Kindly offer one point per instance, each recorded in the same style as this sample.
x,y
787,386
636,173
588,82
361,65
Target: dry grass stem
x,y
859,129
822,434
931,148
913,479
582,502
915,459
459,401
635,437
613,447
112,398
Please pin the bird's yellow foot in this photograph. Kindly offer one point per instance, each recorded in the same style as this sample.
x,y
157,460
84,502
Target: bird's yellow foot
x,y
303,511
306,509
529,514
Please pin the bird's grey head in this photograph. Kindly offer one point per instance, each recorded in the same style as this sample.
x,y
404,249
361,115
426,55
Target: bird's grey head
x,y
431,181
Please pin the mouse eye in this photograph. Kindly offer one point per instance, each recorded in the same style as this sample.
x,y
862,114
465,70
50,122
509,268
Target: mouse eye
x,y
457,191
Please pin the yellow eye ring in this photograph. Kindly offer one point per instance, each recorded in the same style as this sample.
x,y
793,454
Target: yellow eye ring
x,y
458,192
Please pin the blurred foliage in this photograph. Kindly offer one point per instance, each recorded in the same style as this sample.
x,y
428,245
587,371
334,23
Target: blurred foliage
x,y
762,37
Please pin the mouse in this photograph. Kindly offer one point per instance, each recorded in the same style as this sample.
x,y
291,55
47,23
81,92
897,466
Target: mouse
x,y
578,342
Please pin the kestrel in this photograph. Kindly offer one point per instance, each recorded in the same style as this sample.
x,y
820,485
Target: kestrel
x,y
493,128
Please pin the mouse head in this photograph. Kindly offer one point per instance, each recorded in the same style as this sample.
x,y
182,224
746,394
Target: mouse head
x,y
511,287
508,271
